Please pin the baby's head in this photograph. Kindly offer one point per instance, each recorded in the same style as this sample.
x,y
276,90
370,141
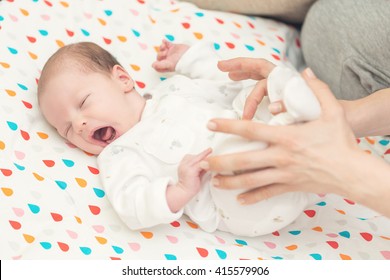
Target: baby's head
x,y
88,96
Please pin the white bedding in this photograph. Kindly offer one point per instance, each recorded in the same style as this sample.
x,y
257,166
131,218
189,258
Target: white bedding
x,y
52,205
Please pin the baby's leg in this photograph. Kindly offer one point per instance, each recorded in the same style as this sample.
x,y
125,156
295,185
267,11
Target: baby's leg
x,y
277,212
261,218
258,219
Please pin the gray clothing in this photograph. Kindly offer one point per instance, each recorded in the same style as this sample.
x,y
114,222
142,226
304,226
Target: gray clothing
x,y
347,45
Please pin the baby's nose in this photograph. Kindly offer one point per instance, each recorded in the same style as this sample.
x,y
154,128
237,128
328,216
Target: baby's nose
x,y
80,126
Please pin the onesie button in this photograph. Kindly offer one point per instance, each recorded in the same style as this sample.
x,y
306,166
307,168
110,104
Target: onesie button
x,y
148,96
278,219
220,212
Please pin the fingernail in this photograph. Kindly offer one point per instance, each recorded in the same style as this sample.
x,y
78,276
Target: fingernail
x,y
275,107
204,165
211,125
310,73
215,182
241,200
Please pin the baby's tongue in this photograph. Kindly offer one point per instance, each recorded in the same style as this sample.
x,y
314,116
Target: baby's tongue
x,y
106,133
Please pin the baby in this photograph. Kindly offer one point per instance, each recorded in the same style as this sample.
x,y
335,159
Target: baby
x,y
149,149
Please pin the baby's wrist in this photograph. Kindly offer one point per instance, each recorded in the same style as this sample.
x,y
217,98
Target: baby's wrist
x,y
178,196
186,191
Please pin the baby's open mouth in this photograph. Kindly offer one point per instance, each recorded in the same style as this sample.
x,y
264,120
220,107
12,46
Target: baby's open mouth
x,y
105,134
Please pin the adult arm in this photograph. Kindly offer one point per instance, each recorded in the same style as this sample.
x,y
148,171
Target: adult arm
x,y
369,116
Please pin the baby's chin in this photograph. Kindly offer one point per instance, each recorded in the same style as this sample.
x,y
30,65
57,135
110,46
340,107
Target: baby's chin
x,y
91,151
95,151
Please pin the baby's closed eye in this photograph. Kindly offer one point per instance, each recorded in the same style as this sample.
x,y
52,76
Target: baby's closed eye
x,y
84,100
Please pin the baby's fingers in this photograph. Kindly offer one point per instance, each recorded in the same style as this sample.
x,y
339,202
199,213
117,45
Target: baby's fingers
x,y
164,45
196,159
191,160
162,66
162,54
202,155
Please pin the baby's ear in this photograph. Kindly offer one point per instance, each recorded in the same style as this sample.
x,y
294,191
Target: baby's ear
x,y
121,75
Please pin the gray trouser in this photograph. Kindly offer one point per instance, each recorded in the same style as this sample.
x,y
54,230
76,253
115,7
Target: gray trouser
x,y
347,45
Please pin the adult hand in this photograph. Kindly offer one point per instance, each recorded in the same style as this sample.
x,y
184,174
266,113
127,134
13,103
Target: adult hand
x,y
248,68
321,156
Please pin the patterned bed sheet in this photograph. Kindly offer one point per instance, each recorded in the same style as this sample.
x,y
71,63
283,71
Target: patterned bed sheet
x,y
52,204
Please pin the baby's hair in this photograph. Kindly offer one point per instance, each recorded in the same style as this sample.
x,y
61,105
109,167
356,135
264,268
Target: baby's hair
x,y
83,56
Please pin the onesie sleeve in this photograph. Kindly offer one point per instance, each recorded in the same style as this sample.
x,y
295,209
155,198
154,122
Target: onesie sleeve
x,y
200,62
138,197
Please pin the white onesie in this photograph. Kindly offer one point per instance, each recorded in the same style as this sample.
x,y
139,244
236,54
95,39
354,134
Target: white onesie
x,y
137,167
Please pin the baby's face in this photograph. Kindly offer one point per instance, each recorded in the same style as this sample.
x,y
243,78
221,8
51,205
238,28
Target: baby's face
x,y
91,110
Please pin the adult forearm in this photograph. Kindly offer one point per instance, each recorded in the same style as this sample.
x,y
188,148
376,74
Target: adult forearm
x,y
369,116
370,185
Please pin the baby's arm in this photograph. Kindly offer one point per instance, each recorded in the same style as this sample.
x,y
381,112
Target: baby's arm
x,y
189,181
198,61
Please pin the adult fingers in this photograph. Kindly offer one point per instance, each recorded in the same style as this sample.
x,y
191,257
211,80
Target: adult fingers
x,y
250,129
259,66
276,107
250,160
254,99
328,101
240,75
261,193
251,179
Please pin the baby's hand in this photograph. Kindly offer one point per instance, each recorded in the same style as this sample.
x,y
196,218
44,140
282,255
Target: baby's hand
x,y
190,173
168,56
189,182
